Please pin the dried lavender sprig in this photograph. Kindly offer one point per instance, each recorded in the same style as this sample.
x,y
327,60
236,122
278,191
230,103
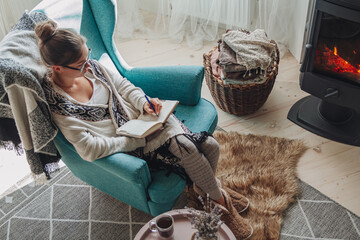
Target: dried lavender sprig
x,y
206,222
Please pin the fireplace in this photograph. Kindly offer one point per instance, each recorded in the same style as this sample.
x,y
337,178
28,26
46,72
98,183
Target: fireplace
x,y
330,72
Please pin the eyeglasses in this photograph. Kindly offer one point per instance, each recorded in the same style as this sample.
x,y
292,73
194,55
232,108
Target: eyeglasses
x,y
84,64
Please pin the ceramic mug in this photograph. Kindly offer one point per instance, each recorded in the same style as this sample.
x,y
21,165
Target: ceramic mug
x,y
163,224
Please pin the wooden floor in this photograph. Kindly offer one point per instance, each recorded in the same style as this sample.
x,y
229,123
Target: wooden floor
x,y
332,168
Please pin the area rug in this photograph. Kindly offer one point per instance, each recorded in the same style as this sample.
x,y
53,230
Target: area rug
x,y
68,208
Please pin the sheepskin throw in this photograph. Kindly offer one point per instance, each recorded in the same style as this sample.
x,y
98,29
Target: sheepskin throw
x,y
263,169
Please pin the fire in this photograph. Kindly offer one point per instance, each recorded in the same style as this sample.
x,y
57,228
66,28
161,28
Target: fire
x,y
338,64
330,60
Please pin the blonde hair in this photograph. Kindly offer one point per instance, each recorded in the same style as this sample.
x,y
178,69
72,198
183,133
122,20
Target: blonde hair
x,y
58,46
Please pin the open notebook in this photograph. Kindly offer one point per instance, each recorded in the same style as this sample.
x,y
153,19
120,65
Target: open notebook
x,y
147,124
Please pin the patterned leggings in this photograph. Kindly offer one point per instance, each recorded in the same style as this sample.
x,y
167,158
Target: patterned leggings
x,y
199,164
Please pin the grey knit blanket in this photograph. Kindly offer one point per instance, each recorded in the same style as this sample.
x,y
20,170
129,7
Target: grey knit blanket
x,y
252,49
22,101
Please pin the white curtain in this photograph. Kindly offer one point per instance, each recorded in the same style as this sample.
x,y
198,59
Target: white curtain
x,y
193,21
196,21
11,11
199,20
275,17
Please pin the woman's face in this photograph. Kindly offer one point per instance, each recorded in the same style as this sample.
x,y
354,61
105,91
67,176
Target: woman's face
x,y
79,67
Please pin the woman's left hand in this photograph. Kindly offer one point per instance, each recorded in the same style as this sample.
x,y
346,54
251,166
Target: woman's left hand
x,y
156,103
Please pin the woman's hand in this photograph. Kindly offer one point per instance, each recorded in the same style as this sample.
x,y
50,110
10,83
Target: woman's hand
x,y
156,103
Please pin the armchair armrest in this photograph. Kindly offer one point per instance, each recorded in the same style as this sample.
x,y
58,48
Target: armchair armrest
x,y
181,83
127,167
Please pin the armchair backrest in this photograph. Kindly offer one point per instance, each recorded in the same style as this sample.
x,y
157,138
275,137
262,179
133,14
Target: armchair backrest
x,y
98,24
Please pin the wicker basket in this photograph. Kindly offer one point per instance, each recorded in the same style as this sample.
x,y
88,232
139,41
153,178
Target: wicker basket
x,y
240,99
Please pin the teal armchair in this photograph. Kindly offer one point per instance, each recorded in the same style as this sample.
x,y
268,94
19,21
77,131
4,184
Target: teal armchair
x,y
122,176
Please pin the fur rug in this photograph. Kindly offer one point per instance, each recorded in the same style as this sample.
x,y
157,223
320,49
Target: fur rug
x,y
263,169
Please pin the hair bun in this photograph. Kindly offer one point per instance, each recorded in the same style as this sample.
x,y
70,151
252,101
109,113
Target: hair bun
x,y
46,30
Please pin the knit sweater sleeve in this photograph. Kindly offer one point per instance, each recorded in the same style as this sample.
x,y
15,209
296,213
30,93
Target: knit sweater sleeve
x,y
82,135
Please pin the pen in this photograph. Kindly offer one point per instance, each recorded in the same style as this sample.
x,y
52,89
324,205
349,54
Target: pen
x,y
147,99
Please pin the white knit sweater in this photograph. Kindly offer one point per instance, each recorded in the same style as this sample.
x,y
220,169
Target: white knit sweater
x,y
97,139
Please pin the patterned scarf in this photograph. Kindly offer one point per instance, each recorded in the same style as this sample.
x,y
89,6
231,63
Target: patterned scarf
x,y
61,105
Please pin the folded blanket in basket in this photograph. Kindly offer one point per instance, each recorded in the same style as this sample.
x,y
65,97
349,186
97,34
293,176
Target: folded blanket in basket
x,y
215,67
227,59
240,77
253,50
244,81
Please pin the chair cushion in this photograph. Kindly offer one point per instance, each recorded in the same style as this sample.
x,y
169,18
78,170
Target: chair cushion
x,y
163,188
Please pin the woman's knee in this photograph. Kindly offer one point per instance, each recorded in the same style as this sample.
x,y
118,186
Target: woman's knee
x,y
210,144
181,145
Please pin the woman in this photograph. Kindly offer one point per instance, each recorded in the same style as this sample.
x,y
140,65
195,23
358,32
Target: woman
x,y
89,102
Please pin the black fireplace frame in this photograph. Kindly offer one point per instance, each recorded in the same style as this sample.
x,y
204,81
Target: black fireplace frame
x,y
333,109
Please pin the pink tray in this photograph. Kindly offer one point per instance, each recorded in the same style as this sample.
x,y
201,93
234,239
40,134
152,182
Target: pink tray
x,y
182,228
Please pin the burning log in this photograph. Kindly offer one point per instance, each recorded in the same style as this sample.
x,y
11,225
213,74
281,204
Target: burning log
x,y
329,61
